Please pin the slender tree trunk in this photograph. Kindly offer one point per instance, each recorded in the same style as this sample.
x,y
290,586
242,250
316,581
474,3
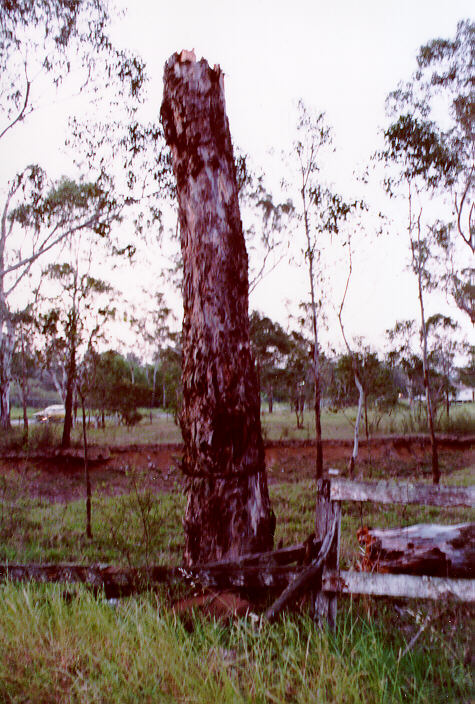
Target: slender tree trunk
x,y
358,384
430,414
316,359
68,403
154,391
228,511
86,471
24,389
7,339
366,425
356,434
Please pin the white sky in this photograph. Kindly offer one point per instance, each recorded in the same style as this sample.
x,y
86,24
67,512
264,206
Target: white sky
x,y
342,57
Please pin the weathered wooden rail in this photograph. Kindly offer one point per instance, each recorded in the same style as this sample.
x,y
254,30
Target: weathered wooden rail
x,y
375,583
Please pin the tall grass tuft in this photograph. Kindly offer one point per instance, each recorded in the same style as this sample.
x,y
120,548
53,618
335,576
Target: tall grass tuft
x,y
89,650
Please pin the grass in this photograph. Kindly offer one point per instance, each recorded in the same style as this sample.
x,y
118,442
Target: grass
x,y
65,645
88,650
279,425
132,529
339,425
140,527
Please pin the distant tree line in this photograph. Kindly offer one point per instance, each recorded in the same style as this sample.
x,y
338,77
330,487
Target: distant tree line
x,y
120,384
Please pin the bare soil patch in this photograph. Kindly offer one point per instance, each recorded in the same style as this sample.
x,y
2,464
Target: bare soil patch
x,y
60,479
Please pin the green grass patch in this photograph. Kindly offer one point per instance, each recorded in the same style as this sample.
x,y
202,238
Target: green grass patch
x,y
62,644
88,650
134,529
339,425
279,425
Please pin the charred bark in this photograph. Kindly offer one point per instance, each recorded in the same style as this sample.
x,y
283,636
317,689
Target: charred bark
x,y
228,511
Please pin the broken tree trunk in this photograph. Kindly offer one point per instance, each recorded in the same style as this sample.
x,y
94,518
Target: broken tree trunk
x,y
423,549
228,511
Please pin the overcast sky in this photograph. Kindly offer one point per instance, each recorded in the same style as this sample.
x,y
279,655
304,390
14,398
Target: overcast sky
x,y
342,57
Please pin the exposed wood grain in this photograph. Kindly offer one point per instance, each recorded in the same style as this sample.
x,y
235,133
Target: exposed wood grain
x,y
124,581
399,585
390,492
327,512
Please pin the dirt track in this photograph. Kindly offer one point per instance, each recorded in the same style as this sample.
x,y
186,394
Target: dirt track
x,y
60,478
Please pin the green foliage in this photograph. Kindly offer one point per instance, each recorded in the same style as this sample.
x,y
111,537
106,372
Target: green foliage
x,y
271,347
111,389
420,148
376,378
56,38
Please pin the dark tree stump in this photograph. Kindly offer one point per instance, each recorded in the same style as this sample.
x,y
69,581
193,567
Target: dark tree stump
x,y
228,511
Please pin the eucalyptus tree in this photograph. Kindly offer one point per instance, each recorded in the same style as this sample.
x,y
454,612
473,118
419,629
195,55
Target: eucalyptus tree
x,y
354,364
298,372
404,355
77,316
24,360
436,103
320,213
51,50
80,302
48,215
271,346
445,344
420,160
267,223
155,335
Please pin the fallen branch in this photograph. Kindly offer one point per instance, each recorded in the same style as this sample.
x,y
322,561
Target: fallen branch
x,y
310,575
125,581
254,571
414,639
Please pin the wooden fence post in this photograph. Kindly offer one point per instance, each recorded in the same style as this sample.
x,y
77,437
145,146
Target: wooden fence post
x,y
325,603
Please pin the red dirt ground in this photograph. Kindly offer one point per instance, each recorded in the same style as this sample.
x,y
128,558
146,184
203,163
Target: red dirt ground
x,y
61,479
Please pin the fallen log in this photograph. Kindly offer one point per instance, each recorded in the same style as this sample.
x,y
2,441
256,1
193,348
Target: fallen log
x,y
302,553
125,581
256,571
423,549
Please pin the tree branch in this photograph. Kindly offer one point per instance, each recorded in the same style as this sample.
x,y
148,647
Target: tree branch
x,y
47,245
22,112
